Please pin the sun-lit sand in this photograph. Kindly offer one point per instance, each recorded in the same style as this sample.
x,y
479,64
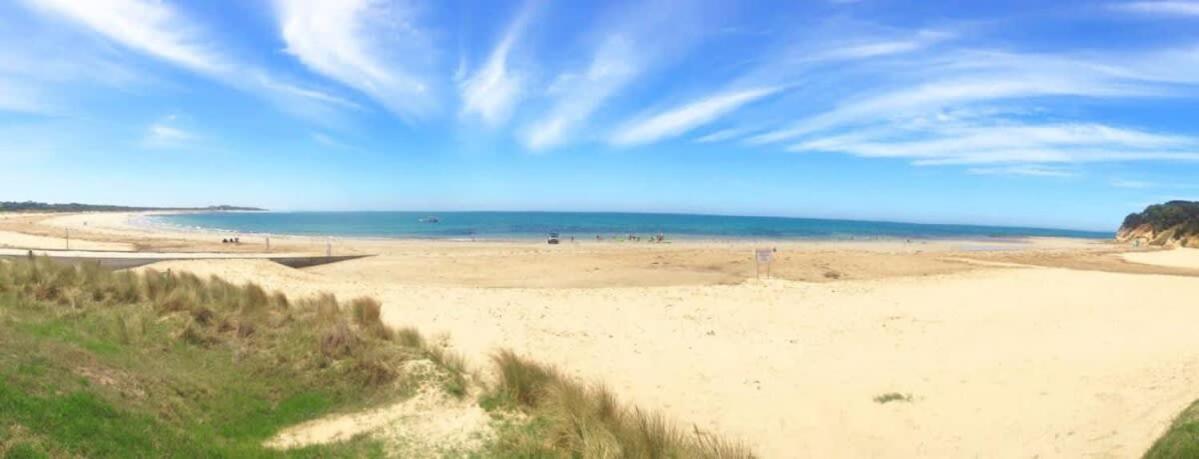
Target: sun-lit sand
x,y
1177,258
1047,348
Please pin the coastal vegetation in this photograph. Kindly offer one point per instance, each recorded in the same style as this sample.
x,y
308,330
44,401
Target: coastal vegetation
x,y
32,206
100,363
583,420
1170,223
1181,440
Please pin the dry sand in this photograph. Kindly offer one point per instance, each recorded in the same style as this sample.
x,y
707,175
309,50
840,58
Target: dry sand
x,y
1177,258
430,424
1056,348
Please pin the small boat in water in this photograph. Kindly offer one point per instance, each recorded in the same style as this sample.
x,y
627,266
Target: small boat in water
x,y
430,220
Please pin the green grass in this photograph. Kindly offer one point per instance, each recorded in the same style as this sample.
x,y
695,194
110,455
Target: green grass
x,y
1181,440
95,363
102,364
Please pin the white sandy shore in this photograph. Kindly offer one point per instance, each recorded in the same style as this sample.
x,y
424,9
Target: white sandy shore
x,y
1001,360
10,239
1177,258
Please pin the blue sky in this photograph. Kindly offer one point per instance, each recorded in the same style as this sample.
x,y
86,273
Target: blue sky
x,y
1036,113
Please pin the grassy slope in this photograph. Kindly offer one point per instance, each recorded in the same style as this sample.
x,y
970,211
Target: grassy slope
x,y
101,364
1182,440
83,373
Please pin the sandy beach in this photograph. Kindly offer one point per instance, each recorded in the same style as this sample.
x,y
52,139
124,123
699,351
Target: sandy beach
x,y
1008,348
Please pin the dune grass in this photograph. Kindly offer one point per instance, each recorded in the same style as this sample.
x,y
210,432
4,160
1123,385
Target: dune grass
x,y
567,418
97,363
1181,440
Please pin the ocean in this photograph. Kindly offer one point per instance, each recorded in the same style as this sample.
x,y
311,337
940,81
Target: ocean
x,y
583,225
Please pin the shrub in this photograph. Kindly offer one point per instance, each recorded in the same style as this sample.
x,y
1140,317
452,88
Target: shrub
x,y
1165,216
338,341
177,300
409,337
576,420
326,307
366,312
522,381
253,299
279,300
892,397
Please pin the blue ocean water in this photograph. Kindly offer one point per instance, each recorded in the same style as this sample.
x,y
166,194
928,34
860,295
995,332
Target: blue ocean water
x,y
529,225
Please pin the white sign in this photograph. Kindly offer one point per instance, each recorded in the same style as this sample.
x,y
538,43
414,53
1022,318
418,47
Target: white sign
x,y
764,255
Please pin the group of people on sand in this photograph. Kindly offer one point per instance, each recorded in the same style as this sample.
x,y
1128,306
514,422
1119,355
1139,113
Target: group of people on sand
x,y
232,240
635,238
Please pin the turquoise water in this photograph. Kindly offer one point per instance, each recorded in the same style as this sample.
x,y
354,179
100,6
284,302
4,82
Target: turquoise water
x,y
525,225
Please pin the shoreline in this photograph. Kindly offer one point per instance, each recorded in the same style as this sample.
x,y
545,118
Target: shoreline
x,y
129,223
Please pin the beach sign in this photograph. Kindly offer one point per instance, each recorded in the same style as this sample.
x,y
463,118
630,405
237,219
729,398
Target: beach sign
x,y
763,257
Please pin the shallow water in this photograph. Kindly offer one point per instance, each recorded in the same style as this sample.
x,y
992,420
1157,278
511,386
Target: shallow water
x,y
528,225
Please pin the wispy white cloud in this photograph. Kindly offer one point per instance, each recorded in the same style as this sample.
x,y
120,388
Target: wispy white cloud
x,y
370,46
723,135
17,96
1061,143
150,27
328,141
931,97
614,65
156,29
1023,170
631,45
493,90
1134,184
1144,184
166,133
289,89
680,120
1179,8
976,80
878,48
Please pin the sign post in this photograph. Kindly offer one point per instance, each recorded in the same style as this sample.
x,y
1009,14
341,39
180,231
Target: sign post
x,y
68,238
763,257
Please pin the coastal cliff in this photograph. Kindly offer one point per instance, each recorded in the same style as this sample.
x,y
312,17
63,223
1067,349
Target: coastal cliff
x,y
1173,224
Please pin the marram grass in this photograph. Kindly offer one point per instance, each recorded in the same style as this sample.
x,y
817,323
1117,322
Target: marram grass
x,y
100,363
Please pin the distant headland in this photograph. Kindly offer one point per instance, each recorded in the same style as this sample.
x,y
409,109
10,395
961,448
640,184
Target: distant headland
x,y
33,206
1175,223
